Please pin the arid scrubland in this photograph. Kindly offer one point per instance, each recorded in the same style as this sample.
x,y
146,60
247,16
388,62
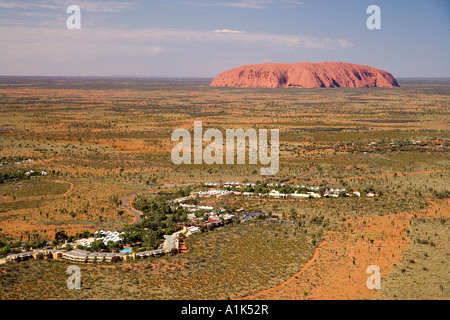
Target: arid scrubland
x,y
100,139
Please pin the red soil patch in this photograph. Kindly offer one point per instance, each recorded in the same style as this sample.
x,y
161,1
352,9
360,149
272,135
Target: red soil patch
x,y
338,267
183,248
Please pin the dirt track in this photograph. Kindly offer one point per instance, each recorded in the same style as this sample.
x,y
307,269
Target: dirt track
x,y
314,257
311,171
71,186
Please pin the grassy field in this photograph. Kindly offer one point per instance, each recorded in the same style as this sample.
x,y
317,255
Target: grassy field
x,y
423,270
100,139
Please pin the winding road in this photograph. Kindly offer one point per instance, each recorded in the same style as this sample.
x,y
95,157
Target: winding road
x,y
127,201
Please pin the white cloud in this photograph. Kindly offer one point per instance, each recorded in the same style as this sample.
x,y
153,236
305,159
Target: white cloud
x,y
159,37
101,51
89,6
250,4
110,6
228,31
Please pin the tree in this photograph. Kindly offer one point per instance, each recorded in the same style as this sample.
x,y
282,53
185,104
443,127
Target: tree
x,y
322,191
113,246
60,236
153,239
5,250
97,245
86,234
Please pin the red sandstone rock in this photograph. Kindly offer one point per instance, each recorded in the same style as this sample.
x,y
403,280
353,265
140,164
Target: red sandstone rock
x,y
305,75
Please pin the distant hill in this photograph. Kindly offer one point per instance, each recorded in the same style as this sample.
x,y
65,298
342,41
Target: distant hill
x,y
305,75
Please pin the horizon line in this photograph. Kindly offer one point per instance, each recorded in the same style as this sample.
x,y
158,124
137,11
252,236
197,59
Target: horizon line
x,y
171,77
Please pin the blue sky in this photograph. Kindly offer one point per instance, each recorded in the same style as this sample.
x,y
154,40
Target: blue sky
x,y
196,38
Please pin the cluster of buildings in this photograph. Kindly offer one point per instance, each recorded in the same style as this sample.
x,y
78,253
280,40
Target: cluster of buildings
x,y
306,191
276,194
105,236
37,254
33,173
192,230
213,192
247,216
212,216
78,255
329,193
216,217
16,162
231,184
171,244
211,184
75,255
220,184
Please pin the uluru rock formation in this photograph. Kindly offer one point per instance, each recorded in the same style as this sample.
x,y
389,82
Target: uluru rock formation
x,y
305,75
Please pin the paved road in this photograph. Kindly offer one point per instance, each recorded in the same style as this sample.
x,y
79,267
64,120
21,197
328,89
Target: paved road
x,y
127,200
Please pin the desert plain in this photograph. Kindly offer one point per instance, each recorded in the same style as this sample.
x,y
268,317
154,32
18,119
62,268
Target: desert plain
x,y
99,139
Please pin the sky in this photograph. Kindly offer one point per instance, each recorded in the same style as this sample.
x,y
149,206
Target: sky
x,y
197,38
